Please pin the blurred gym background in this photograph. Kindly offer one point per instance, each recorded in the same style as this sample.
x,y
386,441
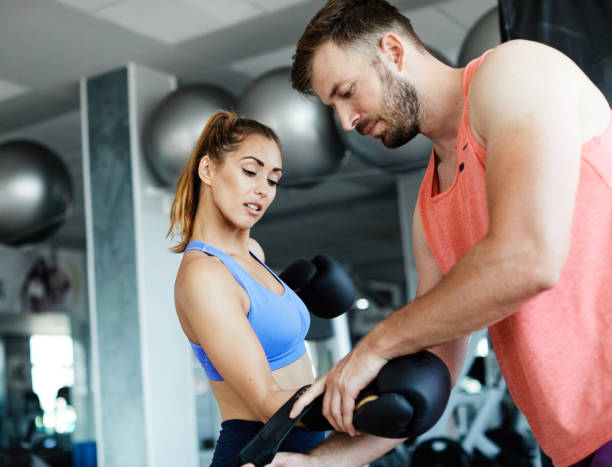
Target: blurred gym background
x,y
100,104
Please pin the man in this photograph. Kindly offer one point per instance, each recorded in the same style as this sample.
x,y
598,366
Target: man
x,y
513,225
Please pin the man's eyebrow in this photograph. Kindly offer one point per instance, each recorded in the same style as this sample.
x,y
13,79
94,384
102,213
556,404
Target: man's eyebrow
x,y
261,164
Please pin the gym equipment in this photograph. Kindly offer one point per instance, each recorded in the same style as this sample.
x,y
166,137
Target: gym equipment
x,y
35,192
484,35
175,125
323,285
310,145
581,30
440,452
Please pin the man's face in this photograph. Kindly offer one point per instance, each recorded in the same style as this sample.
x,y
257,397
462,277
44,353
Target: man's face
x,y
366,94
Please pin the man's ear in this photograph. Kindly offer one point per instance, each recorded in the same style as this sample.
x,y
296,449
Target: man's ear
x,y
392,49
206,169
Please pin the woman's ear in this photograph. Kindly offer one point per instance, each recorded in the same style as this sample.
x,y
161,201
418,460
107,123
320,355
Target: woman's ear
x,y
206,169
392,49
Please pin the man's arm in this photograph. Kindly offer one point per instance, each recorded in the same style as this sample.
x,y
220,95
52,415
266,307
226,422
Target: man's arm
x,y
429,274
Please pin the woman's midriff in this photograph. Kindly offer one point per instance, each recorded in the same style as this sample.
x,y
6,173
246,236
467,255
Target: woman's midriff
x,y
232,406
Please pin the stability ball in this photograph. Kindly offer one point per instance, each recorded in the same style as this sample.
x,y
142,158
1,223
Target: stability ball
x,y
412,155
311,147
175,125
484,35
35,192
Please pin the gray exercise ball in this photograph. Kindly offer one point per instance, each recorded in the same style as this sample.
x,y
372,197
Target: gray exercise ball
x,y
484,35
175,125
412,155
35,192
311,147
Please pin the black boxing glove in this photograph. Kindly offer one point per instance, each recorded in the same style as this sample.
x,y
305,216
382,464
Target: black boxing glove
x,y
405,399
419,382
323,285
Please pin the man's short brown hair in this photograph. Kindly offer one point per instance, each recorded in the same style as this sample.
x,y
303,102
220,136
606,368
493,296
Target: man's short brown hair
x,y
346,23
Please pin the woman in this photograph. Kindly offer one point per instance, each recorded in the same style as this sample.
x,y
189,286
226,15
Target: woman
x,y
244,324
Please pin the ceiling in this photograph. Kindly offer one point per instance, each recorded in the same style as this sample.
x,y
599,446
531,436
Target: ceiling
x,y
46,46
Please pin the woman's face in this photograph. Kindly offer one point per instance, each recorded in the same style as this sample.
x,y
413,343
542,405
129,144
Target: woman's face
x,y
244,185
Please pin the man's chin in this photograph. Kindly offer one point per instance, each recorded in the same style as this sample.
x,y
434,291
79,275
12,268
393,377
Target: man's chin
x,y
393,142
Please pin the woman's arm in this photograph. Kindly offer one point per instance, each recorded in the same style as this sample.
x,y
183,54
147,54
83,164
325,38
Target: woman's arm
x,y
216,309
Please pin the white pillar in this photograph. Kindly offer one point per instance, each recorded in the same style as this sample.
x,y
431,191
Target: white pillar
x,y
142,367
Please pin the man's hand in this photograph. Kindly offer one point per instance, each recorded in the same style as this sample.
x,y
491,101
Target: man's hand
x,y
342,385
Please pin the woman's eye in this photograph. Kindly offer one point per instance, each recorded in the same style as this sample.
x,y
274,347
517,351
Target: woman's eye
x,y
348,93
250,173
272,182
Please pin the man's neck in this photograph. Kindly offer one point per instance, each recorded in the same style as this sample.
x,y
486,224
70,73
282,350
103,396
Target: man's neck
x,y
443,109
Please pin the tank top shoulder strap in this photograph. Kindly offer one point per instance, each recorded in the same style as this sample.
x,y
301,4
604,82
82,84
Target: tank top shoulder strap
x,y
465,135
230,263
470,69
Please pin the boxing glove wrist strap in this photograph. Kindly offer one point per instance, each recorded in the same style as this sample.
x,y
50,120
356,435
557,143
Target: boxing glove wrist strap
x,y
261,449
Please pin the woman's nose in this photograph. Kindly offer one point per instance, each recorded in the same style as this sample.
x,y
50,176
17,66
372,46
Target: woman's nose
x,y
262,187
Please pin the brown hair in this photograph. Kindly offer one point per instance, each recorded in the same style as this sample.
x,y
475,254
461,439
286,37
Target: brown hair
x,y
346,23
223,134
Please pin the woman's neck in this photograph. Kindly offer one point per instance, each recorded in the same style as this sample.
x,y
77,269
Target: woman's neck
x,y
212,228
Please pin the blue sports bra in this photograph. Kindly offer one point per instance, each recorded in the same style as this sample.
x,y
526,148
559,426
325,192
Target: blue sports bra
x,y
279,321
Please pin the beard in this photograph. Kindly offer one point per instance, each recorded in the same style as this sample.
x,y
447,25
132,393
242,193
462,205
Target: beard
x,y
401,109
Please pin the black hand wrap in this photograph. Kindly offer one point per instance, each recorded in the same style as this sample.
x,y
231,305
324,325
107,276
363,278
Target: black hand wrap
x,y
405,400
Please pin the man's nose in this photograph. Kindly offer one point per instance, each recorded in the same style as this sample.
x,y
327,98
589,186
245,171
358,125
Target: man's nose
x,y
348,118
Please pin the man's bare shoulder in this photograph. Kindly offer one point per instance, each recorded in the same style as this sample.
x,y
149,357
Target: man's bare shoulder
x,y
516,77
521,52
518,60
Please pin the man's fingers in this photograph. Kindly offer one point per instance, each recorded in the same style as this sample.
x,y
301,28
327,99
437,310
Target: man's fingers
x,y
316,389
332,411
348,407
